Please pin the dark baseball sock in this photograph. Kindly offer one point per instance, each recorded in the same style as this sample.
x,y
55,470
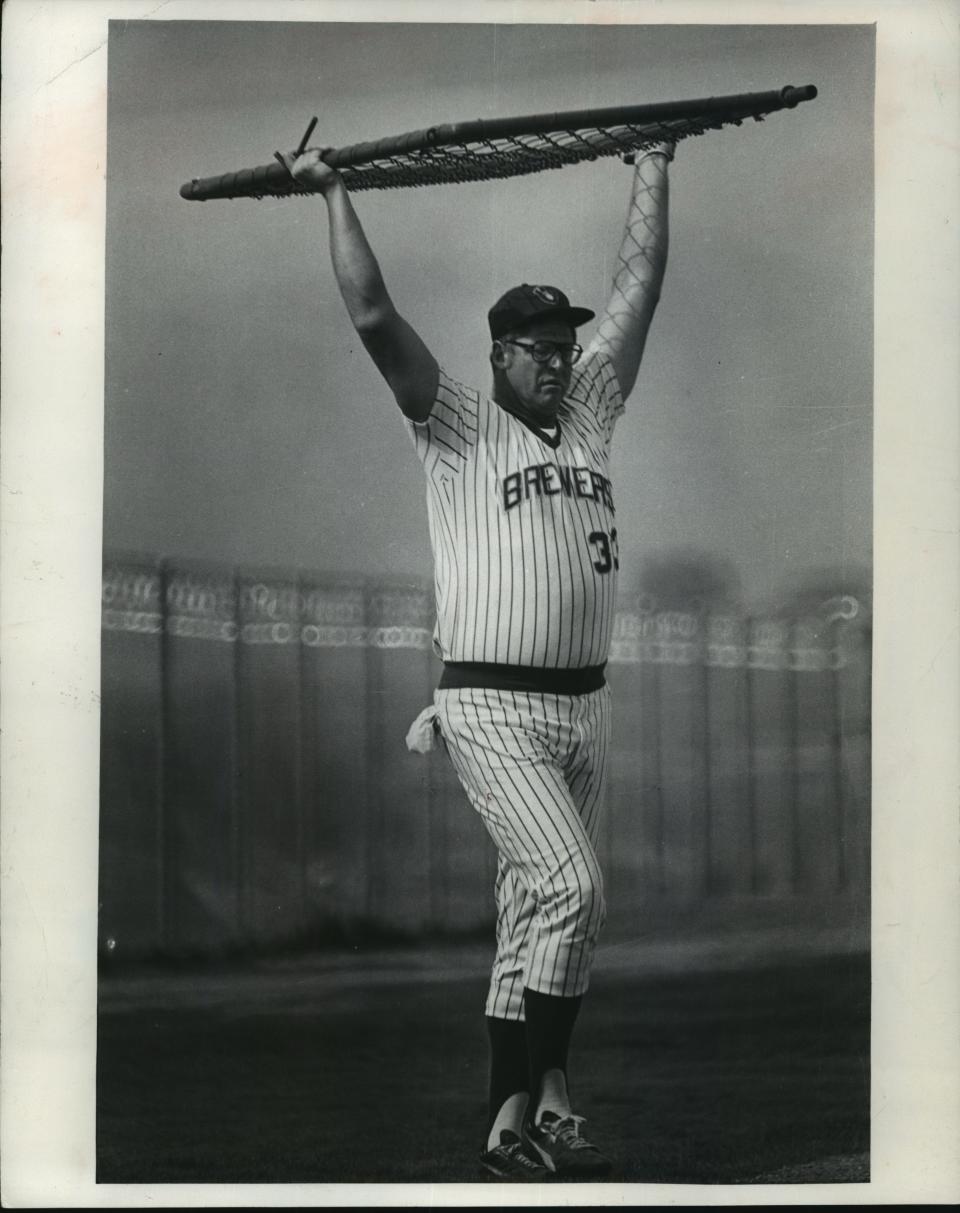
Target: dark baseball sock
x,y
550,1023
509,1067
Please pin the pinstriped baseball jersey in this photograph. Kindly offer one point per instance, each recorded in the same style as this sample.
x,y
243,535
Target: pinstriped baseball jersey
x,y
523,526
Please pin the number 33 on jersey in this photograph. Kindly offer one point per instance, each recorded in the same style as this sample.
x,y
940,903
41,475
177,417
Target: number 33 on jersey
x,y
523,526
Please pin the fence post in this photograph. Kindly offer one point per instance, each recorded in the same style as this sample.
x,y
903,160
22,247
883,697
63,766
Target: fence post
x,y
238,828
164,833
336,721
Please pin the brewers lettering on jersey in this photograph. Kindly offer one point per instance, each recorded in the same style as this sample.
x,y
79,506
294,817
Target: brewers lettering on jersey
x,y
523,526
526,550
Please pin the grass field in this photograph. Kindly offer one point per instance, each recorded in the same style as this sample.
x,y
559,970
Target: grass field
x,y
372,1068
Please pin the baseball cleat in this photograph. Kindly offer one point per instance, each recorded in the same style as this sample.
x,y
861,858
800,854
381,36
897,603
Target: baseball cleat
x,y
509,1161
558,1141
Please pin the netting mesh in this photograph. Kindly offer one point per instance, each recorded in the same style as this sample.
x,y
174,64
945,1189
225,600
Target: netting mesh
x,y
510,156
479,151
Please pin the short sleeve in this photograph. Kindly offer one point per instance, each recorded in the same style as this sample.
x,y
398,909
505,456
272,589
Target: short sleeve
x,y
444,441
595,391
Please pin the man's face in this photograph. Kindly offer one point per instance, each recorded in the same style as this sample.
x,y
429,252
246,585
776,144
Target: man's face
x,y
537,386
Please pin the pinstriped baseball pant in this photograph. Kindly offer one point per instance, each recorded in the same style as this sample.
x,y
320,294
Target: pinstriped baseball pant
x,y
532,766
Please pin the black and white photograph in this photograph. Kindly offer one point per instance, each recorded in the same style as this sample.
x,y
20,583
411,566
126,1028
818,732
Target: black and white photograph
x,y
624,592
485,752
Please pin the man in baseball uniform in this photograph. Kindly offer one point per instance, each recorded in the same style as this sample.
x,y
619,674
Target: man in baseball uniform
x,y
525,542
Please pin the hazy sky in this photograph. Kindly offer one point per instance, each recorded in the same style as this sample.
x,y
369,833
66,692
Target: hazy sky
x,y
245,424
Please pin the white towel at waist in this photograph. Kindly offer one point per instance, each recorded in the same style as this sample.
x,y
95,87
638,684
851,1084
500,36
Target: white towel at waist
x,y
421,736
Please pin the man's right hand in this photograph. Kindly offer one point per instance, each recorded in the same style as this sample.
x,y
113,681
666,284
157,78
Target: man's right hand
x,y
311,170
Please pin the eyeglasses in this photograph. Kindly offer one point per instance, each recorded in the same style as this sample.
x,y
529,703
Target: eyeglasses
x,y
546,351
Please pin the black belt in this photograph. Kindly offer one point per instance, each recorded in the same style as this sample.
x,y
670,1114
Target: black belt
x,y
483,675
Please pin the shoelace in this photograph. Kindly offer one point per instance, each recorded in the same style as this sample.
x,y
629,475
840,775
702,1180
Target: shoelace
x,y
568,1132
515,1151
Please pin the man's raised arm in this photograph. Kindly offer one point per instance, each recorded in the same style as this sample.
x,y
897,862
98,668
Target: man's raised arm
x,y
641,261
396,348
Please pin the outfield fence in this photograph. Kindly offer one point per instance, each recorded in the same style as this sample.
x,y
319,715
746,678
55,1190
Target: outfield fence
x,y
256,789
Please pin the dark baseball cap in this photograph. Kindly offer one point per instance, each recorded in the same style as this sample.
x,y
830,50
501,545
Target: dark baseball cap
x,y
526,304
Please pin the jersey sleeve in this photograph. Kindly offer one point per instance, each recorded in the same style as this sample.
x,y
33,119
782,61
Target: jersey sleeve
x,y
595,391
445,440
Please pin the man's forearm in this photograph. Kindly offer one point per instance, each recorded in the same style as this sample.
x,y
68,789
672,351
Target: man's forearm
x,y
642,258
354,264
395,347
641,261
